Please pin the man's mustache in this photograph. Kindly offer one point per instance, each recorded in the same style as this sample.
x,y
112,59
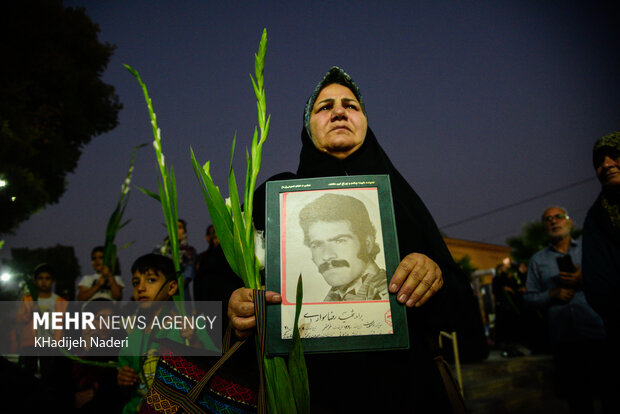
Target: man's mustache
x,y
331,264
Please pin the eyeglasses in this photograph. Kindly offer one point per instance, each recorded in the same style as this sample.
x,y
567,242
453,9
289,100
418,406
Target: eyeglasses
x,y
558,216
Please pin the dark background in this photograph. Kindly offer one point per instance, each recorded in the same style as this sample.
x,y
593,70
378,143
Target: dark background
x,y
480,105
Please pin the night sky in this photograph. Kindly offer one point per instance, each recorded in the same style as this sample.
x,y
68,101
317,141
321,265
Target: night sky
x,y
480,105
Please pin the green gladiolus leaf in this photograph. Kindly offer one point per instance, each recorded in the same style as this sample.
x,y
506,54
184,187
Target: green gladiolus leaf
x,y
100,364
167,196
113,226
126,245
150,194
222,221
271,391
282,383
296,362
235,230
124,224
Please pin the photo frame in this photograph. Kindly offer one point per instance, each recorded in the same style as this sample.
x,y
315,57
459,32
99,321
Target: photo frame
x,y
339,233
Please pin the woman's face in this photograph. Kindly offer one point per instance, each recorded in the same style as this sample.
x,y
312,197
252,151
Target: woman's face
x,y
180,230
337,123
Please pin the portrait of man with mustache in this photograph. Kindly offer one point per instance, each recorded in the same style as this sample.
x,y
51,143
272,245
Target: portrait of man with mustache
x,y
341,238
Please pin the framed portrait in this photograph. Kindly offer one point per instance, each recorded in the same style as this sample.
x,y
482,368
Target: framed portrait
x,y
339,234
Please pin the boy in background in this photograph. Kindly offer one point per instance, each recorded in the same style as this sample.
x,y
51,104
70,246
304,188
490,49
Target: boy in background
x,y
153,280
52,370
102,284
46,301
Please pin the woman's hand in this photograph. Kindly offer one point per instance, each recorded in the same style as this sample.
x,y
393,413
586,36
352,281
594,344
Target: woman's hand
x,y
241,310
416,279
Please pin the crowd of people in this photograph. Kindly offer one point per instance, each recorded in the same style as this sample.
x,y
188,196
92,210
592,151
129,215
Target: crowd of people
x,y
566,287
563,301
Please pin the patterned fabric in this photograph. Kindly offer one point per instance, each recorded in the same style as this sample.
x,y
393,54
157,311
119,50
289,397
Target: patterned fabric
x,y
185,367
160,403
178,388
224,387
181,386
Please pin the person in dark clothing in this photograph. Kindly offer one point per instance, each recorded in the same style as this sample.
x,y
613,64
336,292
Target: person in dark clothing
x,y
212,242
337,141
601,248
601,238
214,279
94,387
187,257
576,332
533,322
508,300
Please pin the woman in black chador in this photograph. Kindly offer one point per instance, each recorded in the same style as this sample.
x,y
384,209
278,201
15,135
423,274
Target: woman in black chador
x,y
337,141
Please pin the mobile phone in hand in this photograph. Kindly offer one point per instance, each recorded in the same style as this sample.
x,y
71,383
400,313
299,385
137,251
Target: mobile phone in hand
x,y
565,264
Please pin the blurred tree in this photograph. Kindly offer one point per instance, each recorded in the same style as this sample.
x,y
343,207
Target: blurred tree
x,y
465,264
52,101
532,239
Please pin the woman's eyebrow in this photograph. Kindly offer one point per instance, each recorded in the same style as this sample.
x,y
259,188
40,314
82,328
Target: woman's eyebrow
x,y
327,100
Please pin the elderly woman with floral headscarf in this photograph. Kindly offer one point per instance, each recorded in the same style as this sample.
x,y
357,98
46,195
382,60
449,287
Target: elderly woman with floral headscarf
x,y
601,238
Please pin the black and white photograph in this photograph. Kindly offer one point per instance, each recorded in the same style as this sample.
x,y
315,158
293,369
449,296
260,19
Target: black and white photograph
x,y
338,234
333,238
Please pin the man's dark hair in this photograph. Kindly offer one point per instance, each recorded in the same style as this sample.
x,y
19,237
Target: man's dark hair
x,y
95,250
337,207
99,304
155,262
209,227
184,224
117,266
44,268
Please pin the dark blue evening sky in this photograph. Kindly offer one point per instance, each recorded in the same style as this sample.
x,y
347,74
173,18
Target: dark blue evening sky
x,y
479,104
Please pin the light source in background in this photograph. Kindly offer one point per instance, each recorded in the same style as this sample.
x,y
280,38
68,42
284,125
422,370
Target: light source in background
x,y
4,183
5,277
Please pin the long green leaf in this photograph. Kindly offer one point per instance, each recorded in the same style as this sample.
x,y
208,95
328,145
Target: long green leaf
x,y
296,362
218,211
236,233
246,194
150,194
271,393
239,233
126,222
282,383
100,364
113,225
126,245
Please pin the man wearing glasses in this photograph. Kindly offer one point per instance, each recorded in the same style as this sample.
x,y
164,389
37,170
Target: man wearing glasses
x,y
577,336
